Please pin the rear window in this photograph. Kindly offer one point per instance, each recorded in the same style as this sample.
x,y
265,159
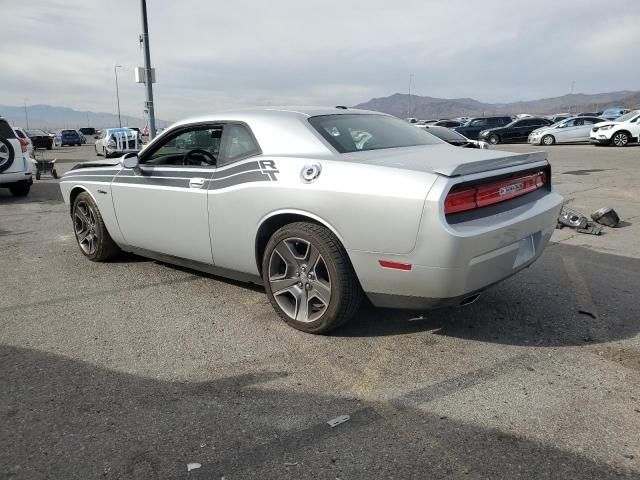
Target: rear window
x,y
69,132
355,133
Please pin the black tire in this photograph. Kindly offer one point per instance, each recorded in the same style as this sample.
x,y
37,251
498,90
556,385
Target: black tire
x,y
620,139
54,173
7,154
345,293
548,140
20,189
50,146
38,175
493,139
102,248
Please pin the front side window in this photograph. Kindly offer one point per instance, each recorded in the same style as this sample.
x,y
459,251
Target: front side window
x,y
478,122
199,146
354,133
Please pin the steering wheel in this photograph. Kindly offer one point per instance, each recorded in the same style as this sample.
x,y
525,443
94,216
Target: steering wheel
x,y
209,158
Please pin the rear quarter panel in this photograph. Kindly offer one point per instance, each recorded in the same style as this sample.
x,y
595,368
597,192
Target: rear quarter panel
x,y
370,208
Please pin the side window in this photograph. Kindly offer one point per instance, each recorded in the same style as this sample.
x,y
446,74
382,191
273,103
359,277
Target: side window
x,y
579,122
197,147
570,123
478,122
238,143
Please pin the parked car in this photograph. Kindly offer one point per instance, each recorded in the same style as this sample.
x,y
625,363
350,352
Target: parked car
x,y
588,114
117,142
515,132
40,139
613,113
454,138
68,137
87,130
22,135
474,126
558,118
83,139
448,123
270,196
572,130
16,172
621,132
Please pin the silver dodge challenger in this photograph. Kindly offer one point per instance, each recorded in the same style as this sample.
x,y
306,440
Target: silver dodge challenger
x,y
323,206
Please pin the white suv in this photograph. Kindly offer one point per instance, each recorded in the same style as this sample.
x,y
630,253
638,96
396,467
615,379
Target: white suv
x,y
619,132
15,165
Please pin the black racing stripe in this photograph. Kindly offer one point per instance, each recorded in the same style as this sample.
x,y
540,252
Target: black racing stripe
x,y
87,178
82,172
144,181
243,167
217,184
152,173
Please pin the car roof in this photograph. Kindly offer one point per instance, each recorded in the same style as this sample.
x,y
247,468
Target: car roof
x,y
275,111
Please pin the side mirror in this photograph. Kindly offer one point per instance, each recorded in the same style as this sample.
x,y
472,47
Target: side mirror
x,y
130,160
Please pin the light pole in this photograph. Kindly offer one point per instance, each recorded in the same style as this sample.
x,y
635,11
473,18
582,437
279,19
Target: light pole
x,y
115,71
26,115
148,80
410,89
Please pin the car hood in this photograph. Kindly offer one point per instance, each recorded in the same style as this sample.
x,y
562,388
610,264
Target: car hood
x,y
445,159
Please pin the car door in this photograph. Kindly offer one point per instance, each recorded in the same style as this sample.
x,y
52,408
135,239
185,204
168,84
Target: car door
x,y
475,127
582,129
512,133
162,206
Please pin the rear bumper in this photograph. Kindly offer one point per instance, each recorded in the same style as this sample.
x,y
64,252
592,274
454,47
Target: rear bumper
x,y
7,179
452,262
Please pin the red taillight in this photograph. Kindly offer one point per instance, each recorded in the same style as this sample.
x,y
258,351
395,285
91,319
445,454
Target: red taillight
x,y
24,144
461,199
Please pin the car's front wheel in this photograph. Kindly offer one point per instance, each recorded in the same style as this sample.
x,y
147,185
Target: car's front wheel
x,y
91,234
548,140
620,139
309,279
493,139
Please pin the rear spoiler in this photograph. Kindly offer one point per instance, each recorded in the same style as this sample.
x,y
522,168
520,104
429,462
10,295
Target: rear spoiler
x,y
484,165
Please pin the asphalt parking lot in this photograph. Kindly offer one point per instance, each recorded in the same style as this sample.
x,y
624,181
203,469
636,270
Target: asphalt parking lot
x,y
134,369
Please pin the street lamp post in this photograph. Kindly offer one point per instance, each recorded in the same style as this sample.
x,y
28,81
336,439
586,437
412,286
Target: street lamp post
x,y
148,80
26,115
115,71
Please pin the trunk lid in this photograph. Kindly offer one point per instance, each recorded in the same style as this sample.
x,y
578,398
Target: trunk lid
x,y
445,159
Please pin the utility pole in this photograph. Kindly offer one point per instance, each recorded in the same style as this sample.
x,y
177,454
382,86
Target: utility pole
x,y
410,91
115,70
26,115
147,70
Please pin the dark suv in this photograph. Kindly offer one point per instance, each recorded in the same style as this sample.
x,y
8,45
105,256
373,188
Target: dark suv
x,y
473,127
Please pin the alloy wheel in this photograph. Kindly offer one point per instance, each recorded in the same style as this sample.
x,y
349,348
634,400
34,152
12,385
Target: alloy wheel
x,y
5,154
85,227
620,139
299,279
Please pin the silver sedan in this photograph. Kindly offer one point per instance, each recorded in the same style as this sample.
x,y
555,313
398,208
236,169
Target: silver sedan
x,y
322,206
571,130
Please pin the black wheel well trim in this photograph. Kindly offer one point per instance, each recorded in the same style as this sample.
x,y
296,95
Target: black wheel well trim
x,y
628,133
269,225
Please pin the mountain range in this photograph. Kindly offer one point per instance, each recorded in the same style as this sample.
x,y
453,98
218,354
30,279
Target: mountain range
x,y
399,104
402,105
50,117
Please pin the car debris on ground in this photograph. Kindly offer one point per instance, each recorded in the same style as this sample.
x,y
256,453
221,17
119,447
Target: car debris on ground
x,y
334,422
573,219
606,216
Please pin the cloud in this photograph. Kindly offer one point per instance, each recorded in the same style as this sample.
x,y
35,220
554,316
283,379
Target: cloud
x,y
213,55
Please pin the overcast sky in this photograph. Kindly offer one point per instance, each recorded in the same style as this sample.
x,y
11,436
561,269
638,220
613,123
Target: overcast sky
x,y
214,54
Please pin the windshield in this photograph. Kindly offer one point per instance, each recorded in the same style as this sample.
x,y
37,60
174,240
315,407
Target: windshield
x,y
354,133
627,116
610,112
35,133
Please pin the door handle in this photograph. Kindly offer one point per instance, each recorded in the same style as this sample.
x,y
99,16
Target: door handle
x,y
197,182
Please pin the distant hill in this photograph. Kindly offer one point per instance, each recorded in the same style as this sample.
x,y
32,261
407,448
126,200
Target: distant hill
x,y
47,116
431,108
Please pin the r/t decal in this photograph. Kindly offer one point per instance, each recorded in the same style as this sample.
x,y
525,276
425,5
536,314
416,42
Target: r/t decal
x,y
268,167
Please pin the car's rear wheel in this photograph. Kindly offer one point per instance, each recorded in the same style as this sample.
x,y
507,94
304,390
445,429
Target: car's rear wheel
x,y
91,234
620,139
548,140
493,139
20,189
309,279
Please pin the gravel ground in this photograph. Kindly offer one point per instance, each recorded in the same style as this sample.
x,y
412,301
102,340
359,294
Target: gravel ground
x,y
134,369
